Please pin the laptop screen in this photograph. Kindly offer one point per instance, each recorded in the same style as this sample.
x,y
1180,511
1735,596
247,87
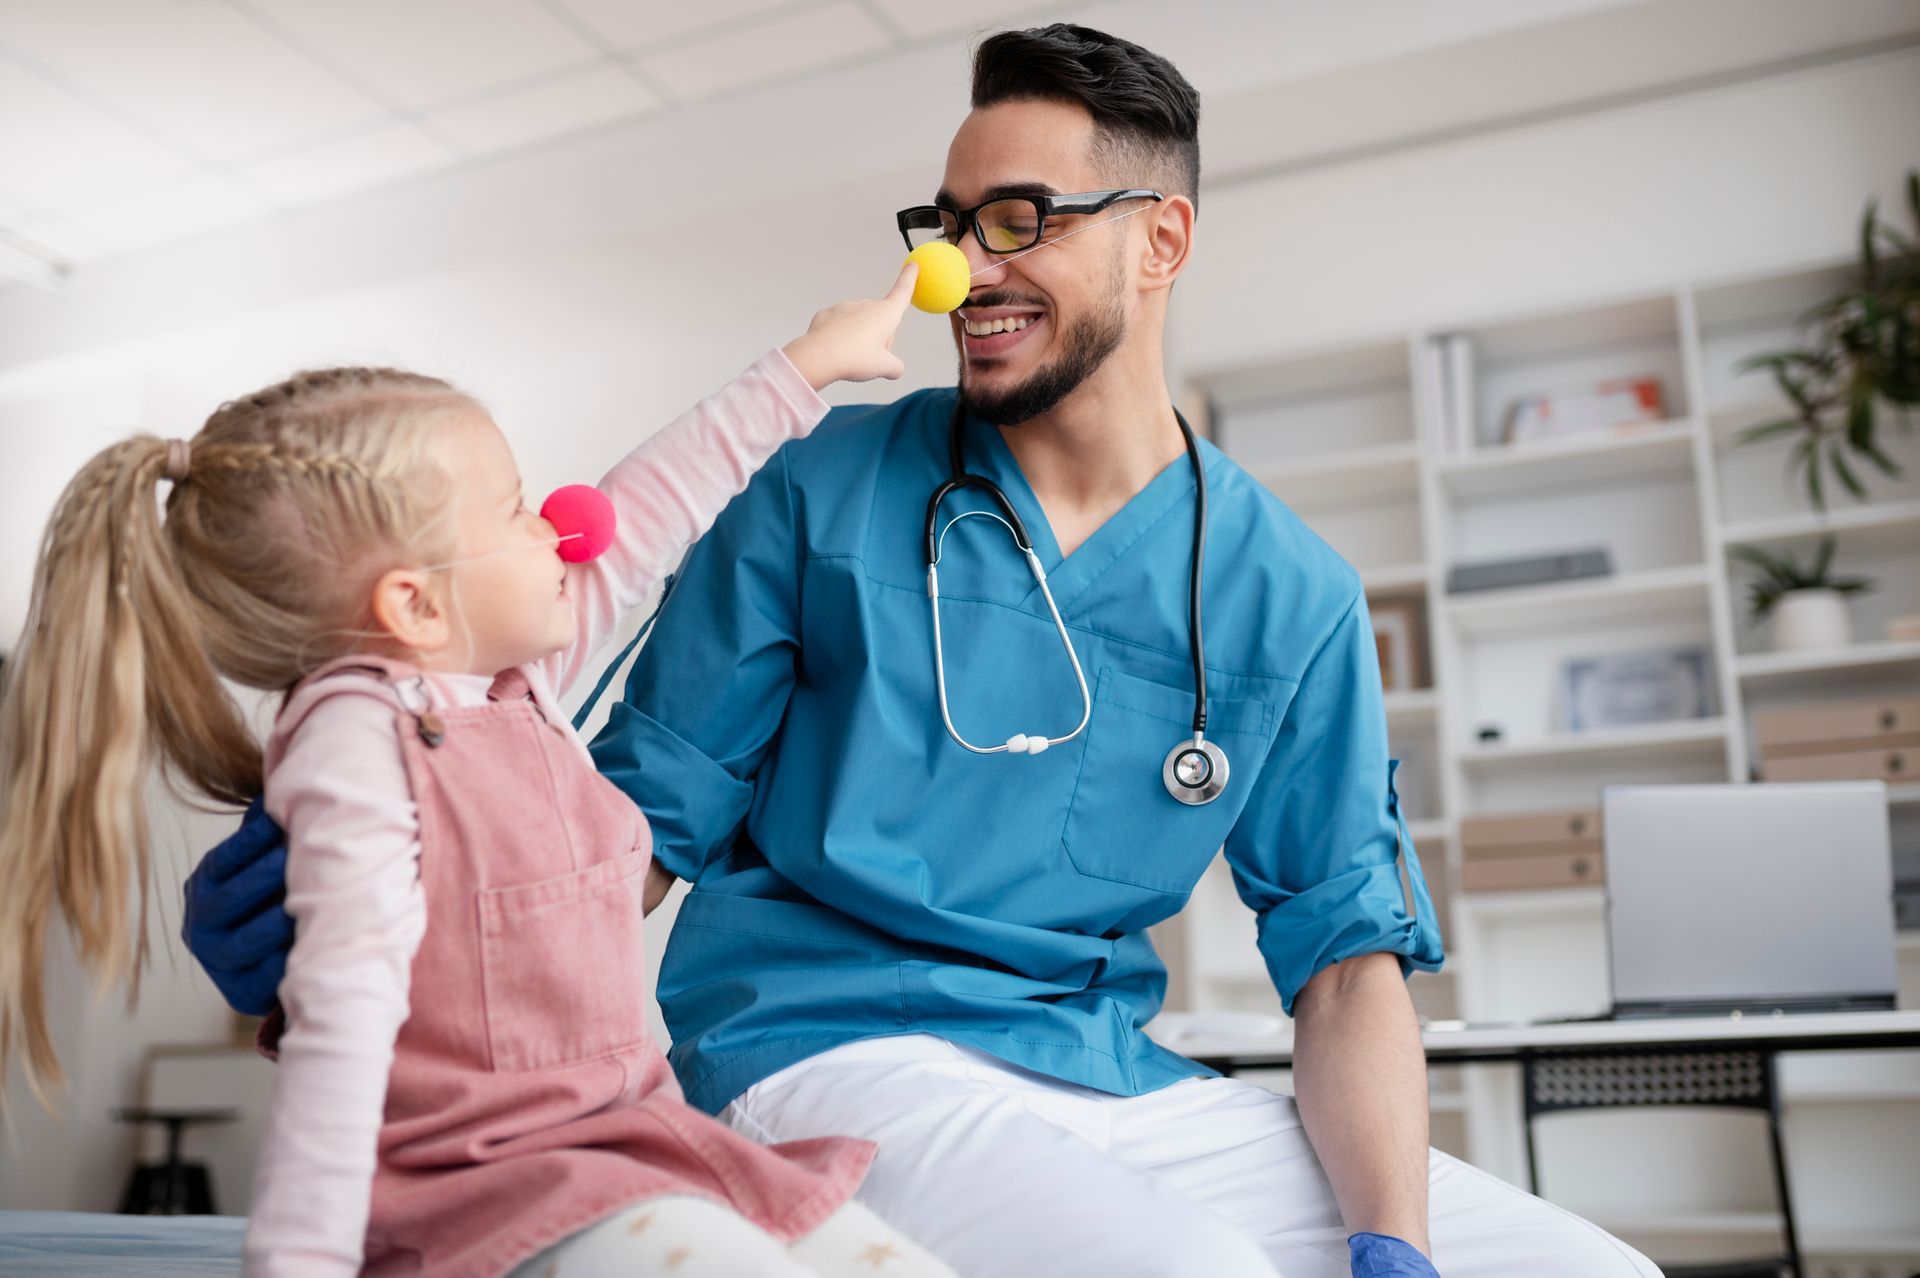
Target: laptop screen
x,y
1746,895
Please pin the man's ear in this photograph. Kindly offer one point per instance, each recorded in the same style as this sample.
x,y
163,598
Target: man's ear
x,y
408,606
1169,242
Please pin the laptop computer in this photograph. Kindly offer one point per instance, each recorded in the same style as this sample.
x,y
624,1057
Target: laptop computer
x,y
1749,898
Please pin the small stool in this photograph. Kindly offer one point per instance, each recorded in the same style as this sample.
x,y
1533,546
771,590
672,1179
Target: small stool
x,y
174,1187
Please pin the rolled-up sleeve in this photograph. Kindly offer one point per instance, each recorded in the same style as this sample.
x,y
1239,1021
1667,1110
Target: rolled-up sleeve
x,y
711,684
1316,852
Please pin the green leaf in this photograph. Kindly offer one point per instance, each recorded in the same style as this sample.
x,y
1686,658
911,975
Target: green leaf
x,y
1888,467
1860,415
1869,260
1842,468
1822,560
1755,434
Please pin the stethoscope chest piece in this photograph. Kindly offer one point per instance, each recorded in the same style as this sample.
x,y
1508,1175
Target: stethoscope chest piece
x,y
1195,771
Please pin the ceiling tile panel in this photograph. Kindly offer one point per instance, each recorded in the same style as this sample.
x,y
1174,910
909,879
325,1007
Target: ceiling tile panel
x,y
626,24
549,109
774,49
366,157
58,151
918,20
196,71
427,52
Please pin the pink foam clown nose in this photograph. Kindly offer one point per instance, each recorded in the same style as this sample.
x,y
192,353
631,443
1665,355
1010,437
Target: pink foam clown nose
x,y
583,516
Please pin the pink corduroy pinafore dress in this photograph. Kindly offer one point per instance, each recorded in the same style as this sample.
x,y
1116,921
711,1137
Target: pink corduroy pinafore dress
x,y
527,1099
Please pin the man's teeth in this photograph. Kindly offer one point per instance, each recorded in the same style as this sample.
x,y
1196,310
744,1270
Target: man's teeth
x,y
987,328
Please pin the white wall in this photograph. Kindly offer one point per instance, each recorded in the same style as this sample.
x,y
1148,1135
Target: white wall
x,y
1734,179
585,301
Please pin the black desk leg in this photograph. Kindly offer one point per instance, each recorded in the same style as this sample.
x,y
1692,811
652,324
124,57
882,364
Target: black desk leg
x,y
1774,1125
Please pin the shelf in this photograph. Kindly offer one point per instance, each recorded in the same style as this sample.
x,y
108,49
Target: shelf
x,y
1433,830
1347,476
1870,527
1859,1244
1392,580
1575,605
1625,452
1900,795
1770,668
1544,903
1851,1095
1688,736
1719,1224
1415,709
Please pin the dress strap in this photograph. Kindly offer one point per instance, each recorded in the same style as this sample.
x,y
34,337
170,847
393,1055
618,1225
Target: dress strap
x,y
510,685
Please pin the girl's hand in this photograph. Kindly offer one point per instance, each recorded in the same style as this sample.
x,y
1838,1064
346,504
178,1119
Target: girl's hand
x,y
853,341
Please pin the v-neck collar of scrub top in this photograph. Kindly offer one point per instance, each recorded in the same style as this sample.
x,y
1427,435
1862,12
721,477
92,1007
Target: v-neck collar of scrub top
x,y
984,450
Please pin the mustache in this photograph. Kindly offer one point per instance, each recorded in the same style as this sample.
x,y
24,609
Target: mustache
x,y
1004,297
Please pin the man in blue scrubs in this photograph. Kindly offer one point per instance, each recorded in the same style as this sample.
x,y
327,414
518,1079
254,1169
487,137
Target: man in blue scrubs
x,y
891,936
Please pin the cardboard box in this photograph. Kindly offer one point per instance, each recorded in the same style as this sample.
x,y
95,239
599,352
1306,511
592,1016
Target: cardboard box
x,y
1529,833
1838,727
1894,766
1540,870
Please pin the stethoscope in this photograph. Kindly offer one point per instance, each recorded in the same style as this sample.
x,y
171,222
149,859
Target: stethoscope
x,y
1195,771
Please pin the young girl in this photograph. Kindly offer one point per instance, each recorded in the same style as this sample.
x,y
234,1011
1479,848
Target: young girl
x,y
466,1085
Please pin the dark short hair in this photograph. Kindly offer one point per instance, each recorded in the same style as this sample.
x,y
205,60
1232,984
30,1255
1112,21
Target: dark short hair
x,y
1143,109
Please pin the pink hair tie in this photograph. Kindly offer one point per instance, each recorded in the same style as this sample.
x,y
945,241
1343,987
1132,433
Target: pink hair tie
x,y
179,453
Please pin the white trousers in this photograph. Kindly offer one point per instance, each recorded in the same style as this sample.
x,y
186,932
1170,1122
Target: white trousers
x,y
1004,1173
684,1237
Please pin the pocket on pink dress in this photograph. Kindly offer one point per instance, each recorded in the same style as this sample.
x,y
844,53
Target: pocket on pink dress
x,y
563,964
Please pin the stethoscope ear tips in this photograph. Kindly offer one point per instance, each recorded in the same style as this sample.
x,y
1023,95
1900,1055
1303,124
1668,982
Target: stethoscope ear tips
x,y
1021,743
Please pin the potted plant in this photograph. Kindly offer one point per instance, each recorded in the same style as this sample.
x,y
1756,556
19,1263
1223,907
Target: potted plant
x,y
1862,353
1807,603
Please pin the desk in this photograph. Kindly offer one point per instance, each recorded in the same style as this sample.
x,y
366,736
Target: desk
x,y
1705,1061
1482,1044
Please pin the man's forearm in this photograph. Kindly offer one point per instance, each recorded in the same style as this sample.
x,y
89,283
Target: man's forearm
x,y
1360,1080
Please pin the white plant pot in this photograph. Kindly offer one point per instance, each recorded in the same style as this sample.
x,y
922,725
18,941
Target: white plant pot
x,y
1804,619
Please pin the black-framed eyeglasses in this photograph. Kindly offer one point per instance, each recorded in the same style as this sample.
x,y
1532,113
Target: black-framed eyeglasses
x,y
1009,223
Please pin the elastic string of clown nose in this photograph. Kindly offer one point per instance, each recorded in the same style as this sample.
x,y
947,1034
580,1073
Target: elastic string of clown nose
x,y
580,513
495,554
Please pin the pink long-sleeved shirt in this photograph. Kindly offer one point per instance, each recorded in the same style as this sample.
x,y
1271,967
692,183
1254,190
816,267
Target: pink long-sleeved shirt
x,y
339,788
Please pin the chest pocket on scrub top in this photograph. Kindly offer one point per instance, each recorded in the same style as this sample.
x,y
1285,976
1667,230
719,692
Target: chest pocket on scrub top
x,y
1121,822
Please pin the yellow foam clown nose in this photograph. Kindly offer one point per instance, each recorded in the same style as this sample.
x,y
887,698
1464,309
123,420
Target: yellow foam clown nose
x,y
944,277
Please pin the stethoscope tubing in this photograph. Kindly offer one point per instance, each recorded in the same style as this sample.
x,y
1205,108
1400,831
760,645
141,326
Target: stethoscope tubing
x,y
936,535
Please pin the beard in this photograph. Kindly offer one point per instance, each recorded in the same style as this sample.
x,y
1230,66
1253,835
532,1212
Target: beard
x,y
1089,343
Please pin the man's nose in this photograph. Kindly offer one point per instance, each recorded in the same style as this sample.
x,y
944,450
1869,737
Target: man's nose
x,y
983,268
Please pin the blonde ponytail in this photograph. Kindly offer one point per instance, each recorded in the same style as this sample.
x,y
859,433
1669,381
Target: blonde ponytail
x,y
286,507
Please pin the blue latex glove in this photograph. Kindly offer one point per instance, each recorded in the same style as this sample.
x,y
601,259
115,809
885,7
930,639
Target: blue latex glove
x,y
236,923
1382,1256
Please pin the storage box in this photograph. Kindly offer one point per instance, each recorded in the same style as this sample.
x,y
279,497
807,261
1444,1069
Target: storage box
x,y
1894,766
1525,833
1838,727
1531,850
1517,873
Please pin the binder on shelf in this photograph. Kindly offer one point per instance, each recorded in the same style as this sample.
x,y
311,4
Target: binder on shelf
x,y
1462,411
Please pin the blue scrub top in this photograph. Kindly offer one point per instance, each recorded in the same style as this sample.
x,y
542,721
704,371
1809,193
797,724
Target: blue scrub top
x,y
857,874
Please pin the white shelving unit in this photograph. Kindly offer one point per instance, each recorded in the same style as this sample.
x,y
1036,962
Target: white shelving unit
x,y
1354,439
